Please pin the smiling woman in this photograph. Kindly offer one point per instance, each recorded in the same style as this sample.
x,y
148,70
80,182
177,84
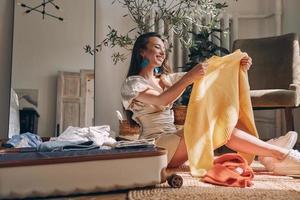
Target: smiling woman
x,y
50,66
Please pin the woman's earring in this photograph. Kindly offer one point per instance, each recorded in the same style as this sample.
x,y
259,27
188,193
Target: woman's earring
x,y
144,63
157,70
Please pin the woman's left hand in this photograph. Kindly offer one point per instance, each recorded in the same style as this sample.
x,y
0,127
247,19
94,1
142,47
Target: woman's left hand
x,y
246,62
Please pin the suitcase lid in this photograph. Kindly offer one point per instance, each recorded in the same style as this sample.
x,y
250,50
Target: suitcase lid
x,y
28,156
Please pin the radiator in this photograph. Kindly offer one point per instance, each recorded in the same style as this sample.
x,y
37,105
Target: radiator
x,y
178,56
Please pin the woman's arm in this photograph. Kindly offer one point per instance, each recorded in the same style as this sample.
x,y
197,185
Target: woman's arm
x,y
153,97
172,93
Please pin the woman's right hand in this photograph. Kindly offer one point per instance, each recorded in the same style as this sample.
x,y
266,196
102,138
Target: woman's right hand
x,y
197,72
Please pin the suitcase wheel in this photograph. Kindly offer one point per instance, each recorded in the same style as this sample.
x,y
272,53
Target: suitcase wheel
x,y
175,181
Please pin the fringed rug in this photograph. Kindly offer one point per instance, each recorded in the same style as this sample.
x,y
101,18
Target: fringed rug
x,y
266,186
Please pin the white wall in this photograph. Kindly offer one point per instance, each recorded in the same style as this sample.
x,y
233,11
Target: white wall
x,y
6,30
109,77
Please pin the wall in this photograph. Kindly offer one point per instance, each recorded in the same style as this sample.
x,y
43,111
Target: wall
x,y
249,27
291,16
109,77
6,30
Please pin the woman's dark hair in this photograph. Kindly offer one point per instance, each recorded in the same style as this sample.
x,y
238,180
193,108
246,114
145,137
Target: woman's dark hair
x,y
136,60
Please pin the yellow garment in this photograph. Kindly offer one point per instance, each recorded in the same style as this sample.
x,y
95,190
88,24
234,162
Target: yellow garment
x,y
219,102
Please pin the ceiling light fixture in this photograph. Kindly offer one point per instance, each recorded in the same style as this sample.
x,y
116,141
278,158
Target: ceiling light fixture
x,y
41,8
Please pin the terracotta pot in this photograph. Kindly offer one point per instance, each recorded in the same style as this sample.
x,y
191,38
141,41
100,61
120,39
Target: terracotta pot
x,y
179,114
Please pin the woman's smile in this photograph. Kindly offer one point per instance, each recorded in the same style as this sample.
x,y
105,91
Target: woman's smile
x,y
160,58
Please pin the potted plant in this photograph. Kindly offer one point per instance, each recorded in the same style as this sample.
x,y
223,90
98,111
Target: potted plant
x,y
201,49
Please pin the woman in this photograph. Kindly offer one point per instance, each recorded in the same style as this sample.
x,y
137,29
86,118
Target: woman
x,y
148,99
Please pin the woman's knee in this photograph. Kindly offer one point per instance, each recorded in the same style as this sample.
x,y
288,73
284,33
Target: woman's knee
x,y
180,155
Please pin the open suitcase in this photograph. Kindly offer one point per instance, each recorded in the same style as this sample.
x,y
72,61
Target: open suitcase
x,y
40,174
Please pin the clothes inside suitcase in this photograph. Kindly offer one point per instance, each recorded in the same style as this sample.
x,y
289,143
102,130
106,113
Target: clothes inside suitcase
x,y
39,174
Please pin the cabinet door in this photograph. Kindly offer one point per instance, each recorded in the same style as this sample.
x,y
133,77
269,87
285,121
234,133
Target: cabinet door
x,y
75,100
68,101
87,93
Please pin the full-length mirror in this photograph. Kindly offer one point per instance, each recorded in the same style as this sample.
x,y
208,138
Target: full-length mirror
x,y
52,83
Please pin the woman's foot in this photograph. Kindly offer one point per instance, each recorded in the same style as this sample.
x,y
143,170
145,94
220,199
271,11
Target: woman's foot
x,y
290,165
287,141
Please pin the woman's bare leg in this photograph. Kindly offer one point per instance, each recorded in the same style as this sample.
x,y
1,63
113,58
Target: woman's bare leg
x,y
180,155
239,141
246,143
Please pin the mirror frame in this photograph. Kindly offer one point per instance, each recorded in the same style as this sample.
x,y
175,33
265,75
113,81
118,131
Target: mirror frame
x,y
11,65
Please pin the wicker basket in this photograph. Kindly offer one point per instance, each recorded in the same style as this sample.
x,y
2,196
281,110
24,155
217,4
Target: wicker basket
x,y
179,114
126,129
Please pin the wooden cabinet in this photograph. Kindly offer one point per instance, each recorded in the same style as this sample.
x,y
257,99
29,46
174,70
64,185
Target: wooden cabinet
x,y
75,100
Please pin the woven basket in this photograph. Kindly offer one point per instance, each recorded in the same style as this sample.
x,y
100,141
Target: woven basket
x,y
126,129
179,114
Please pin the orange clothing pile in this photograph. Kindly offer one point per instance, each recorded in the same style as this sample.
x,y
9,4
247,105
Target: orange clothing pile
x,y
219,102
230,170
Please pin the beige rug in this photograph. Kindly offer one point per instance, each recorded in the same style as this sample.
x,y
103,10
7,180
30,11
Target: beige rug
x,y
266,186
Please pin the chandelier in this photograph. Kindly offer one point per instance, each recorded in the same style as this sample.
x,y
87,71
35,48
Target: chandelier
x,y
41,8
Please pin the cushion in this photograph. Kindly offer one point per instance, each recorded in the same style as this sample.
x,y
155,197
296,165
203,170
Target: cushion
x,y
271,98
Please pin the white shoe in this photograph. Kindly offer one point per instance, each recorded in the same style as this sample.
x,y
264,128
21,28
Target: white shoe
x,y
287,141
290,165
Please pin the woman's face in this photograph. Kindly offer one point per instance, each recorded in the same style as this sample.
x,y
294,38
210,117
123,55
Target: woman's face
x,y
155,51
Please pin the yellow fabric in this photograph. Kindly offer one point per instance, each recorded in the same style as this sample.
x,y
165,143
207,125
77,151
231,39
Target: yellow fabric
x,y
219,102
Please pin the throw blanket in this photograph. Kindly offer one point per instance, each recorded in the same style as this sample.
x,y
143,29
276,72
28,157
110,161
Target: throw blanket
x,y
230,170
219,102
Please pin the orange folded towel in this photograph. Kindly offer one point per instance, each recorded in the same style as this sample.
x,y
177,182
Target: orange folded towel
x,y
230,169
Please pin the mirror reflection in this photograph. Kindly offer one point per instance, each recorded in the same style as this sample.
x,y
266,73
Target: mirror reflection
x,y
52,83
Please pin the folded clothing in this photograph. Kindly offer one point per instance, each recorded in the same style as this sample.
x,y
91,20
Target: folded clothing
x,y
24,140
136,143
58,145
66,146
100,135
230,169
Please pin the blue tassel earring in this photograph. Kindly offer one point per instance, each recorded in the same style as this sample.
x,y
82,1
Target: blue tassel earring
x,y
144,63
157,70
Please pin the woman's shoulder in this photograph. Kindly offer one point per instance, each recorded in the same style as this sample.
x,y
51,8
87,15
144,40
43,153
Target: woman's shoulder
x,y
135,78
131,88
170,79
134,84
134,81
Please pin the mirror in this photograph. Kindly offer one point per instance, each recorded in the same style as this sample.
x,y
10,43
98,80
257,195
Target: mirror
x,y
52,79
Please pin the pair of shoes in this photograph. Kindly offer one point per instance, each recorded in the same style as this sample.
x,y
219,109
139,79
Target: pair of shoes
x,y
290,165
287,141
